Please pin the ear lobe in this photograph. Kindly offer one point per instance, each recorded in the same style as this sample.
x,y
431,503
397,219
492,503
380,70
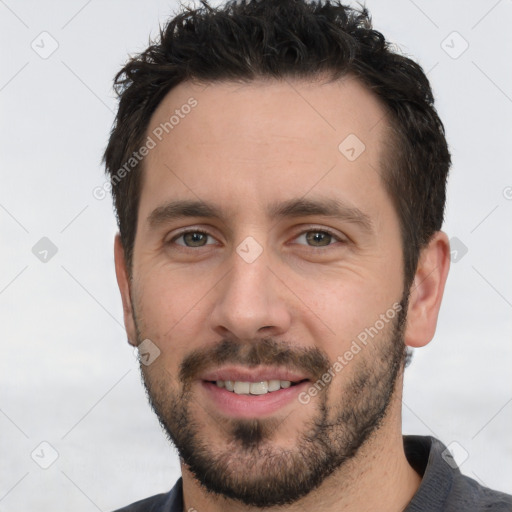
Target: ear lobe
x,y
427,291
123,281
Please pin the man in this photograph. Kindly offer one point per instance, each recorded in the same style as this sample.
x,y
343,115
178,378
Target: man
x,y
279,178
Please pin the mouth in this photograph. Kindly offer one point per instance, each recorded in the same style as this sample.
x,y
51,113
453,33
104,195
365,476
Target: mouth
x,y
262,387
241,393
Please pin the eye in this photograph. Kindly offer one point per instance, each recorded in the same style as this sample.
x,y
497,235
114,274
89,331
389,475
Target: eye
x,y
195,238
317,238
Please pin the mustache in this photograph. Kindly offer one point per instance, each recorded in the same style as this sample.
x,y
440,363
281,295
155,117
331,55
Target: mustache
x,y
252,353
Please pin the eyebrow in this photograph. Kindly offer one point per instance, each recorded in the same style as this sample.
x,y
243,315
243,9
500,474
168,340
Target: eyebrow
x,y
324,207
181,209
292,208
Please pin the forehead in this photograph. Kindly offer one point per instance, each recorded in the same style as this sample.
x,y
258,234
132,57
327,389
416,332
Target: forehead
x,y
242,145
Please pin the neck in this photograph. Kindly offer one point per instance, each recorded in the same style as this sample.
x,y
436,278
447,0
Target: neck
x,y
379,478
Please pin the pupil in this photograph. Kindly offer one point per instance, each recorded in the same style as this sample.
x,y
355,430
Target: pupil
x,y
195,239
318,238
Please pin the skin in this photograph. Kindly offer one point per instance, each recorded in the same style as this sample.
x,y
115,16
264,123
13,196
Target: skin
x,y
243,148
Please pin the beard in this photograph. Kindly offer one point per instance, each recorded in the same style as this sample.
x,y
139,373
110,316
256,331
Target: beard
x,y
247,464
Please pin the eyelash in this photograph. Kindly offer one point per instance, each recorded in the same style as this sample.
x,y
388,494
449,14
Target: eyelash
x,y
316,230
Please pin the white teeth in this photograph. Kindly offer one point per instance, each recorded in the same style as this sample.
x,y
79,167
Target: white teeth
x,y
258,388
253,388
274,385
242,388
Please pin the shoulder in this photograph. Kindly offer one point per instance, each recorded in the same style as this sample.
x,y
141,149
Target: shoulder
x,y
153,504
169,502
472,496
443,486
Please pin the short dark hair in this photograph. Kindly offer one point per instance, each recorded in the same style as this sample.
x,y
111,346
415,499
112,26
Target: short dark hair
x,y
246,40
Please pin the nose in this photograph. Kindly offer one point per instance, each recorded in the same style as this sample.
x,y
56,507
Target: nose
x,y
250,301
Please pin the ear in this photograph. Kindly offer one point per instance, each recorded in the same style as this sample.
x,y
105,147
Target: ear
x,y
427,291
123,281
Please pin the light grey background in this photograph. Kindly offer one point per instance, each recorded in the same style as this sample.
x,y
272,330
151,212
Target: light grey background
x,y
67,376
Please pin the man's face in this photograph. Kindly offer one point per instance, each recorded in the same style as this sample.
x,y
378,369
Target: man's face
x,y
266,249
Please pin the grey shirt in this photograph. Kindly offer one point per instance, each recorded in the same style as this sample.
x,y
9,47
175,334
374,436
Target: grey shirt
x,y
443,486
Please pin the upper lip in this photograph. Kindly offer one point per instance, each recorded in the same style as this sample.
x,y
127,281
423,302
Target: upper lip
x,y
233,373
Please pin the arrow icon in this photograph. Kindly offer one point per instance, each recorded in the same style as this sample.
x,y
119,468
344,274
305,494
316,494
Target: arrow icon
x,y
249,249
148,352
44,455
351,147
457,249
454,45
44,45
44,250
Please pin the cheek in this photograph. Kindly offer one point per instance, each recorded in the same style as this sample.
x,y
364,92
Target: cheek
x,y
169,307
349,309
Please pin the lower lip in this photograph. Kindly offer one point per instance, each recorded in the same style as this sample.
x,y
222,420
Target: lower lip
x,y
251,406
